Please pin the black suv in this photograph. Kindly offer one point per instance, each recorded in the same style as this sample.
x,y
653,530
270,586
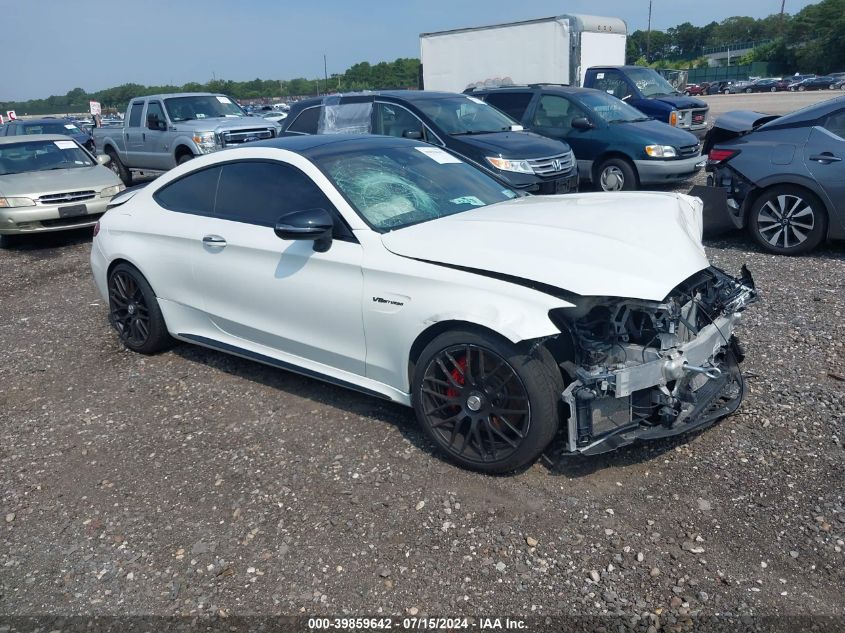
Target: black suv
x,y
466,126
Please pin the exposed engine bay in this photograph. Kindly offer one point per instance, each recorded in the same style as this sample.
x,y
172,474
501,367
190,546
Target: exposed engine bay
x,y
645,370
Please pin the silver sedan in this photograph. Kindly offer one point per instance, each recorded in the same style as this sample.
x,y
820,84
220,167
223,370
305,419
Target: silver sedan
x,y
49,182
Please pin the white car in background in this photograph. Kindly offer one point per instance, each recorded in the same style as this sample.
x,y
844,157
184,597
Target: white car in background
x,y
394,268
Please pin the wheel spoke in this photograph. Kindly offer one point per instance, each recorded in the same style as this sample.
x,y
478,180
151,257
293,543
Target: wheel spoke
x,y
446,404
798,235
516,432
495,430
457,365
455,384
774,212
773,240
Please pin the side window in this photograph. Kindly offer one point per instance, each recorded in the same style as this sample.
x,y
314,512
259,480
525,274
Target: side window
x,y
194,193
612,82
257,192
306,122
135,114
514,104
154,115
557,112
394,120
835,123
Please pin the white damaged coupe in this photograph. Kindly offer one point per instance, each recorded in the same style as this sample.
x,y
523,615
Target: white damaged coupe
x,y
394,268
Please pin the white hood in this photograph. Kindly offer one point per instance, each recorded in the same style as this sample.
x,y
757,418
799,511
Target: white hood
x,y
637,245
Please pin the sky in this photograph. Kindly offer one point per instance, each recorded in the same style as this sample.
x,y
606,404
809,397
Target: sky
x,y
52,46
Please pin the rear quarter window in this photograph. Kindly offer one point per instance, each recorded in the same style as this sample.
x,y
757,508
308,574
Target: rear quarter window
x,y
514,104
195,193
306,122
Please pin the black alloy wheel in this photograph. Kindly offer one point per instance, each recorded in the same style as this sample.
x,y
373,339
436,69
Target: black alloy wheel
x,y
490,407
134,312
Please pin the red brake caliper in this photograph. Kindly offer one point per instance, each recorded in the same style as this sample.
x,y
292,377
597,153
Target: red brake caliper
x,y
458,377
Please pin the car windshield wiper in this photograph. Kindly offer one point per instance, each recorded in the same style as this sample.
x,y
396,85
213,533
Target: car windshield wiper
x,y
471,132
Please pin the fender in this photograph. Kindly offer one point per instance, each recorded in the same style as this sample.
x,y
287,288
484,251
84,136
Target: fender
x,y
186,141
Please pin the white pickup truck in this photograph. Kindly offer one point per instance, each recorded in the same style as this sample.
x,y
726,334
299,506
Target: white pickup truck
x,y
162,131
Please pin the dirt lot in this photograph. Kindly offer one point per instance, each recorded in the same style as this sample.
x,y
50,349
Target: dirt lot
x,y
197,483
770,103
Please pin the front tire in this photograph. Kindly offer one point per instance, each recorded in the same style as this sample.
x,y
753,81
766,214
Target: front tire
x,y
485,402
119,168
748,91
788,220
134,311
184,158
616,174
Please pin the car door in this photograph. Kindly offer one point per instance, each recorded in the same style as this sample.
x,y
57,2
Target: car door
x,y
278,294
156,154
133,134
169,235
824,156
553,116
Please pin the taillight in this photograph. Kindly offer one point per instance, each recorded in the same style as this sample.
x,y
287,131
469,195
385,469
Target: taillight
x,y
96,228
721,155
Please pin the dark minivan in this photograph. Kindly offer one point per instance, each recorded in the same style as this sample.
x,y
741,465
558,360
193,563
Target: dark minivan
x,y
616,146
465,125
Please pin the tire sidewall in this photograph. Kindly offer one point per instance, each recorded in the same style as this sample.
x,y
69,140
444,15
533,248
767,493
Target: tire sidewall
x,y
124,174
631,182
815,237
539,376
159,338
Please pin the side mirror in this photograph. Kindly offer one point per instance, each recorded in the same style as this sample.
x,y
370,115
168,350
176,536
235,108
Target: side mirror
x,y
309,224
582,123
103,159
413,134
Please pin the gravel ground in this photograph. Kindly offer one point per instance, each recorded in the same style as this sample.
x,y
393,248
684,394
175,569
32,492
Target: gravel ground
x,y
194,483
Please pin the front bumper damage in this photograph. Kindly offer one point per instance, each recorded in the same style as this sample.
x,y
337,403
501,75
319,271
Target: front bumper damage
x,y
648,370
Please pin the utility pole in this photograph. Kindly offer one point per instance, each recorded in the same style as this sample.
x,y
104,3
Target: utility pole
x,y
326,72
648,36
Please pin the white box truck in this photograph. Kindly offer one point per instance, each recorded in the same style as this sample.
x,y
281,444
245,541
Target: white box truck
x,y
558,49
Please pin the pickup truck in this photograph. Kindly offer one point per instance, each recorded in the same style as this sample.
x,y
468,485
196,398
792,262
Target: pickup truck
x,y
162,131
647,91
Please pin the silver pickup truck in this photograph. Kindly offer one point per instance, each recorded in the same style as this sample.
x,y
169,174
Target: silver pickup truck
x,y
162,131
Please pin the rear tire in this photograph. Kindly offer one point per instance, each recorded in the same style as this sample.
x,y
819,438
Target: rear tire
x,y
748,91
119,168
134,311
616,174
773,89
485,402
788,220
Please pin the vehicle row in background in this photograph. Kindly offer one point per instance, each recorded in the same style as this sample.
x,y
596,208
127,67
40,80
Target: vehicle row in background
x,y
464,125
578,50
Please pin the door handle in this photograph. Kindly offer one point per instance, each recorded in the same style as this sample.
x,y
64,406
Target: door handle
x,y
826,158
143,136
214,240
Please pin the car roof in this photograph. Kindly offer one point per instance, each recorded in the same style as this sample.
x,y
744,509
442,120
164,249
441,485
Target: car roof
x,y
42,120
560,88
167,95
22,138
308,144
406,95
